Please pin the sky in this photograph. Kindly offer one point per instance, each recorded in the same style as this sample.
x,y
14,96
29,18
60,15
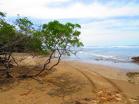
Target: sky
x,y
103,22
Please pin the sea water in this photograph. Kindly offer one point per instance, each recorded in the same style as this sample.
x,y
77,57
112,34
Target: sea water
x,y
116,56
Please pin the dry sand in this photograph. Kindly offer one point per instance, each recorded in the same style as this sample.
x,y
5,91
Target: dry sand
x,y
73,83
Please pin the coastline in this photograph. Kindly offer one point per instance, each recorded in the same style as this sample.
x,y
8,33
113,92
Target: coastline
x,y
113,56
105,70
126,67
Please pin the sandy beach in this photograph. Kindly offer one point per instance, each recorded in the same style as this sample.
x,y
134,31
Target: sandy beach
x,y
69,51
74,83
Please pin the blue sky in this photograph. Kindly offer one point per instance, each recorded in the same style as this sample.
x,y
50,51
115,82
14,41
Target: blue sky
x,y
104,22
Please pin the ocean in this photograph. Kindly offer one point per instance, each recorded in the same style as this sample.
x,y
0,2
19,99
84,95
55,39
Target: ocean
x,y
115,56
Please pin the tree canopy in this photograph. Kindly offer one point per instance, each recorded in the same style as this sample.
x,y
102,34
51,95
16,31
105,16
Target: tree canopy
x,y
7,31
53,38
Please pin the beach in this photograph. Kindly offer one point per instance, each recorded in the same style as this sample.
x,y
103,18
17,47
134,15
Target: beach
x,y
74,82
69,51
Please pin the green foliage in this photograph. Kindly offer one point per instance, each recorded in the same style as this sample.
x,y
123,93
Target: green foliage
x,y
34,44
2,14
31,42
24,25
52,36
61,36
7,32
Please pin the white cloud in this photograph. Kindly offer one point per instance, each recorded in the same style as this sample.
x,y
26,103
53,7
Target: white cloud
x,y
110,32
40,9
98,32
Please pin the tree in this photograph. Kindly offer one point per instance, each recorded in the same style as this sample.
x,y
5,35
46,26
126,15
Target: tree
x,y
27,34
59,39
55,38
25,25
7,35
7,31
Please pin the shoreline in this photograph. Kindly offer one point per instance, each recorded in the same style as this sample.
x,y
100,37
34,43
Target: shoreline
x,y
127,67
99,67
